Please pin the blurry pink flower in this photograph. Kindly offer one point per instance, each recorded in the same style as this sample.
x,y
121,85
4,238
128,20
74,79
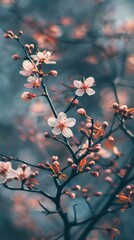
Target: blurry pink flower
x,y
27,96
23,173
84,87
28,68
44,57
6,171
33,82
62,125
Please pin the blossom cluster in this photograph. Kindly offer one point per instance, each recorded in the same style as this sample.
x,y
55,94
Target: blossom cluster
x,y
23,173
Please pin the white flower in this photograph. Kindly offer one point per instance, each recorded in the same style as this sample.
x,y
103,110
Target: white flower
x,y
44,57
62,125
23,173
28,68
84,87
33,82
27,96
6,171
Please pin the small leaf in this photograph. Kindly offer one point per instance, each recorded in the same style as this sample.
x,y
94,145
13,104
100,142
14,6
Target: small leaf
x,y
82,163
63,176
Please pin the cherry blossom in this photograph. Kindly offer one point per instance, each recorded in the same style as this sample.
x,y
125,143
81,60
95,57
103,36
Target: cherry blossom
x,y
6,171
44,57
84,87
62,125
33,81
27,96
28,68
23,173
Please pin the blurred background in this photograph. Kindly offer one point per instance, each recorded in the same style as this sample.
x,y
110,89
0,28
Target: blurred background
x,y
88,38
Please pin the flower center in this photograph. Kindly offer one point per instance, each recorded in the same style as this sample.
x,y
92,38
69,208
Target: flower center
x,y
3,171
84,86
62,125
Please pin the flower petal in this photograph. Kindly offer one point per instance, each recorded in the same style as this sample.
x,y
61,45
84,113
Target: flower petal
x,y
79,92
89,81
29,85
27,65
25,73
70,122
52,121
90,91
62,116
77,84
67,132
56,131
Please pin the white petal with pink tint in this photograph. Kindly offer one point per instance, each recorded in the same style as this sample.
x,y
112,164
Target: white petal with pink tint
x,y
52,122
70,122
79,92
27,65
89,81
90,91
62,116
77,84
67,132
56,131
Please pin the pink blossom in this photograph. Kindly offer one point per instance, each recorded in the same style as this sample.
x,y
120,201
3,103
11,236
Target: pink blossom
x,y
27,96
33,81
84,87
23,173
62,125
6,171
28,68
44,57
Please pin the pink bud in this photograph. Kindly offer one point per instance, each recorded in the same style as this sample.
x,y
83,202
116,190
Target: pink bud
x,y
15,57
23,166
105,124
72,195
70,161
94,174
81,111
96,148
41,165
53,73
91,163
108,179
55,158
74,166
97,194
47,135
76,188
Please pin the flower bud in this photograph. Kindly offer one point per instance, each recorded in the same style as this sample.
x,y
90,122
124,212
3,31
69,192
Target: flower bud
x,y
74,166
70,161
81,111
115,105
110,139
15,57
108,179
96,148
76,188
98,194
94,174
53,73
91,163
41,165
55,163
105,124
31,46
55,158
72,195
87,169
27,96
23,167
47,135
